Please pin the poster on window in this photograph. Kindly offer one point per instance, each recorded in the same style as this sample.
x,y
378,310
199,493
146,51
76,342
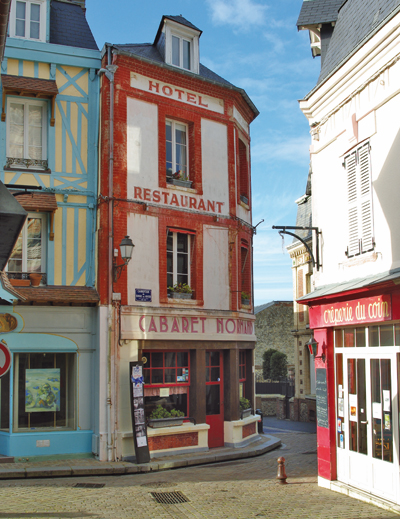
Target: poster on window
x,y
42,390
353,404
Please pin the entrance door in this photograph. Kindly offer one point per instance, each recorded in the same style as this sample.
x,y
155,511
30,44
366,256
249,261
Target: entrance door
x,y
214,399
366,421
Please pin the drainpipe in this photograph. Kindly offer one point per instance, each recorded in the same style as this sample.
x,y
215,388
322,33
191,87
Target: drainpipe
x,y
109,72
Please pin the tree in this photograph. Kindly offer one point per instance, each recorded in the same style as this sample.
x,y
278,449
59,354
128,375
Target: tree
x,y
267,363
278,365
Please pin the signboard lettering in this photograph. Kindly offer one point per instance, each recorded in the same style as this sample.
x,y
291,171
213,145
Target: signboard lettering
x,y
143,295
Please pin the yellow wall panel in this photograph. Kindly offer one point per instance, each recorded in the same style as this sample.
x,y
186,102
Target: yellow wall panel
x,y
27,179
71,90
70,246
59,138
60,79
58,183
58,245
77,199
84,185
12,67
82,240
81,281
83,82
8,177
68,154
44,71
84,141
28,69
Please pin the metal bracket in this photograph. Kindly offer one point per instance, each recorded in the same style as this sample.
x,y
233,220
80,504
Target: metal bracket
x,y
315,262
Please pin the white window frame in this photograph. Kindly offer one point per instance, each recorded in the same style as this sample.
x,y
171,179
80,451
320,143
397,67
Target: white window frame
x,y
24,235
181,40
359,201
42,19
175,272
173,128
26,102
183,33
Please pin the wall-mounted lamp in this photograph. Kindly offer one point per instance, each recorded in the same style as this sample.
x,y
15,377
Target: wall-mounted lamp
x,y
313,348
126,248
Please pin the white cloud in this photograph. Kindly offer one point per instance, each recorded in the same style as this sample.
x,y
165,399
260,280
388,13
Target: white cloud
x,y
241,14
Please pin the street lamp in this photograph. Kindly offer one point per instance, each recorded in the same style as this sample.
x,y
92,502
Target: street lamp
x,y
313,348
126,248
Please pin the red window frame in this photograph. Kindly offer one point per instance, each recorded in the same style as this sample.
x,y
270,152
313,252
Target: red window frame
x,y
148,368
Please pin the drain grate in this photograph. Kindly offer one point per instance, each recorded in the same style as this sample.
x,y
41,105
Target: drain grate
x,y
158,484
89,485
170,498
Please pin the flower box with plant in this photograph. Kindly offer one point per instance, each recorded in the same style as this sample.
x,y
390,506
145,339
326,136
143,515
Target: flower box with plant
x,y
161,417
245,299
180,291
179,179
245,407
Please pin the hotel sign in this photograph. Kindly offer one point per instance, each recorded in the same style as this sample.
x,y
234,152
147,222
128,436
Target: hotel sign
x,y
358,311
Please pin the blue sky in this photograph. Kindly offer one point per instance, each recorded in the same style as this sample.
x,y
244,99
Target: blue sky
x,y
256,46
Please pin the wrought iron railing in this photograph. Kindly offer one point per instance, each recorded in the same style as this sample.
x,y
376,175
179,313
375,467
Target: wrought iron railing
x,y
26,163
25,275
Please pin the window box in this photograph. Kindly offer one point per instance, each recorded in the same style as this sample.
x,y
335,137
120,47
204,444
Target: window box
x,y
20,282
180,295
157,423
246,302
246,413
180,183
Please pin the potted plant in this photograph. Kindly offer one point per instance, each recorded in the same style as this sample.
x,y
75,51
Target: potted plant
x,y
160,417
180,291
245,407
245,299
179,179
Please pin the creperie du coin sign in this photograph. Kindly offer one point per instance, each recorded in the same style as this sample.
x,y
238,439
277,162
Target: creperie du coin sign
x,y
358,311
5,359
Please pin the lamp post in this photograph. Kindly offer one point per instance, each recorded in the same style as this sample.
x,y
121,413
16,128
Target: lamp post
x,y
126,248
313,348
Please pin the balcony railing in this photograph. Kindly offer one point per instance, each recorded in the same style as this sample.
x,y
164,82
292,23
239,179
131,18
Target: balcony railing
x,y
25,275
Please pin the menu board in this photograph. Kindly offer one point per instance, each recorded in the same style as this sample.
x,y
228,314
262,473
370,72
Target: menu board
x,y
322,398
138,417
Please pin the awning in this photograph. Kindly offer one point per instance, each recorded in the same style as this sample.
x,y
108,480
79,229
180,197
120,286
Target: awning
x,y
38,342
329,291
29,87
12,219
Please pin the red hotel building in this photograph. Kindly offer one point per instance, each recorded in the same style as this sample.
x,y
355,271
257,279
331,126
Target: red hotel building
x,y
175,178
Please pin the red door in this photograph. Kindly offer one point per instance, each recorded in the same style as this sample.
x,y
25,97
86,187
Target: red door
x,y
214,399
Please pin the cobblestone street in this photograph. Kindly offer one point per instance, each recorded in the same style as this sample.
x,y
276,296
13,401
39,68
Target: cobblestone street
x,y
231,490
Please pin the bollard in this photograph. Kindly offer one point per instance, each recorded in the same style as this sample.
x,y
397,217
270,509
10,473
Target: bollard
x,y
281,476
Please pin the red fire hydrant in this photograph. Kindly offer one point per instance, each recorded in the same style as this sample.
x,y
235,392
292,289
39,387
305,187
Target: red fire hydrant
x,y
281,476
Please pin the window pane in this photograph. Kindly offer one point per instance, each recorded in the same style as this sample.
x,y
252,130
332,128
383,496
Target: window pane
x,y
386,334
338,338
34,245
212,399
214,374
213,358
169,241
182,278
186,54
182,240
20,19
349,338
376,405
169,359
387,424
35,132
168,150
175,51
180,133
182,359
397,334
15,262
35,12
35,30
373,336
157,376
157,360
16,149
179,402
360,337
182,263
170,376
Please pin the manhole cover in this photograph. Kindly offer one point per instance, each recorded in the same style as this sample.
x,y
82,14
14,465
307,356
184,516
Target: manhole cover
x,y
89,485
158,484
170,498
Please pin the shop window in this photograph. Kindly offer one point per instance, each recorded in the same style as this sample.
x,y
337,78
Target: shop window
x,y
29,253
167,379
179,257
44,391
381,412
243,173
176,143
359,198
28,19
26,133
242,373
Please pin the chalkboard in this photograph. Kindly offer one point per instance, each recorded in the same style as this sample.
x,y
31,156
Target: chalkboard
x,y
322,398
138,417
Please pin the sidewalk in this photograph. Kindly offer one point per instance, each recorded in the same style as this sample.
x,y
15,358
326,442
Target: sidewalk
x,y
93,467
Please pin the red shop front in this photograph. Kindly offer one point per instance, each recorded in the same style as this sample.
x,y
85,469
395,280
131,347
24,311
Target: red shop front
x,y
357,376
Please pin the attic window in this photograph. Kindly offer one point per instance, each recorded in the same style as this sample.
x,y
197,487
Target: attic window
x,y
181,52
181,46
28,19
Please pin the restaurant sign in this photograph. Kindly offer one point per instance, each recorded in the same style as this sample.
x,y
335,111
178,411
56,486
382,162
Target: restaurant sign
x,y
357,311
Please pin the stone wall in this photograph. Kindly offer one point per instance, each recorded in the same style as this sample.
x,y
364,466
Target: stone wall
x,y
273,326
302,409
268,404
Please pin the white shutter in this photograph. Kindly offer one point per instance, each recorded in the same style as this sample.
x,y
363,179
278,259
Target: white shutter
x,y
365,199
352,199
359,191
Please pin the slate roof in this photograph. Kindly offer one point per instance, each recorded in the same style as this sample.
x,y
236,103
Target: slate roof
x,y
357,22
68,26
149,51
260,308
314,12
178,19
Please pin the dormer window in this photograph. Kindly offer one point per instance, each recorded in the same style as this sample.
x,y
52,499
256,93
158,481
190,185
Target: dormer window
x,y
28,19
178,42
181,50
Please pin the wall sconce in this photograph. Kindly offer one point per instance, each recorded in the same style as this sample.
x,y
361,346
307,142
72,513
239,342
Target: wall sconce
x,y
313,348
126,248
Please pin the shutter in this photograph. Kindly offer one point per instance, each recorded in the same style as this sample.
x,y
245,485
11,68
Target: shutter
x,y
365,199
352,199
